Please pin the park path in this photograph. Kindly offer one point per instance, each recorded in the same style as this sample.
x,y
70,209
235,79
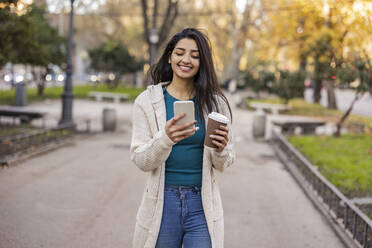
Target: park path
x,y
87,194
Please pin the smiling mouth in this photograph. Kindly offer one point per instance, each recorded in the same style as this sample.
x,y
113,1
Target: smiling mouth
x,y
185,68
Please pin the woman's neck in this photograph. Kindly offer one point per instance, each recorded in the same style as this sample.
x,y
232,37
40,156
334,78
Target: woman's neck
x,y
181,89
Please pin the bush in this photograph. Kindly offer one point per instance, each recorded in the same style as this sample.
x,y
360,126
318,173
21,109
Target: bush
x,y
262,81
290,85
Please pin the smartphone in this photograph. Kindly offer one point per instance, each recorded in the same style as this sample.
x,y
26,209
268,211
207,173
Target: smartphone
x,y
187,107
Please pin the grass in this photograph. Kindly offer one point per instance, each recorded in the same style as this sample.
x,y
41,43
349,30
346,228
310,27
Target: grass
x,y
346,161
367,208
303,108
21,145
80,92
14,130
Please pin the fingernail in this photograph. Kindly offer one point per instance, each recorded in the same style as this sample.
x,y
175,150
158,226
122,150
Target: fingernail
x,y
197,128
211,136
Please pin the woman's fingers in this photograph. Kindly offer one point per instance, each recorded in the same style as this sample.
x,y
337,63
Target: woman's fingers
x,y
225,128
188,125
174,120
222,133
219,138
184,133
220,146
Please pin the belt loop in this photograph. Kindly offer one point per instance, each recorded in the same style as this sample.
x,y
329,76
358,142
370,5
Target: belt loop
x,y
195,189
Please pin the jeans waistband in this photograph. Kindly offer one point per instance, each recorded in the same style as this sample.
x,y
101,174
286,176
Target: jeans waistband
x,y
180,188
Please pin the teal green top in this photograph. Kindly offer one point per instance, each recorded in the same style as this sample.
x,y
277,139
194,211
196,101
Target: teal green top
x,y
184,164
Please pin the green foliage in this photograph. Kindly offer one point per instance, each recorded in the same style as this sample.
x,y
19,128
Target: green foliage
x,y
358,69
267,80
262,80
364,74
8,29
113,57
252,82
347,75
290,85
321,52
344,161
45,45
29,38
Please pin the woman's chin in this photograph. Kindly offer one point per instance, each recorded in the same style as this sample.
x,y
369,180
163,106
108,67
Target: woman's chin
x,y
185,75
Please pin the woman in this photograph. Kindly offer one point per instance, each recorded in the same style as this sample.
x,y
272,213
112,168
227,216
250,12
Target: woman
x,y
181,204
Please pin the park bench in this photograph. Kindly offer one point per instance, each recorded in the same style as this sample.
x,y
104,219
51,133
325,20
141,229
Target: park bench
x,y
24,115
289,126
116,97
273,108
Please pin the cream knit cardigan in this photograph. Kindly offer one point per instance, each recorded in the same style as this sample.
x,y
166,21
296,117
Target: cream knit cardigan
x,y
149,150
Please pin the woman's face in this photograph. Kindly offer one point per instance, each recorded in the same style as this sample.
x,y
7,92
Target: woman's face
x,y
185,59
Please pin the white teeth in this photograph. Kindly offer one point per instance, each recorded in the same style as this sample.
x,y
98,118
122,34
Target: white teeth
x,y
185,67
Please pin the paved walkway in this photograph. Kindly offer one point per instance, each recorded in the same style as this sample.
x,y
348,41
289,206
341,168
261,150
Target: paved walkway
x,y
86,195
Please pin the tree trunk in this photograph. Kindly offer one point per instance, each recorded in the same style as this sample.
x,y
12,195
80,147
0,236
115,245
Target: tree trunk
x,y
238,36
116,81
332,101
39,80
170,16
40,89
346,114
231,71
317,89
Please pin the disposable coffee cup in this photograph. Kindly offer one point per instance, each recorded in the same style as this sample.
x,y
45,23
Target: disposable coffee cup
x,y
215,120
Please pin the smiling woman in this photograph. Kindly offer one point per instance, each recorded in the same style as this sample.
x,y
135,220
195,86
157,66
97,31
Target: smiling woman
x,y
181,205
184,61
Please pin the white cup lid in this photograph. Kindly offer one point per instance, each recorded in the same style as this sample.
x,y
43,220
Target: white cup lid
x,y
219,117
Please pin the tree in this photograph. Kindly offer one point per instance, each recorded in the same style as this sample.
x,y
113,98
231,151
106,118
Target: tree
x,y
113,57
44,45
252,81
152,24
10,32
361,68
321,52
315,36
290,85
28,38
239,31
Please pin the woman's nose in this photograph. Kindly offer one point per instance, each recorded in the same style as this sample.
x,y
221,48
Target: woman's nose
x,y
186,58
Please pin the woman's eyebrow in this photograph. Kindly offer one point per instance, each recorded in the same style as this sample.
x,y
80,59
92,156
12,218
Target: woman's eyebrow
x,y
183,49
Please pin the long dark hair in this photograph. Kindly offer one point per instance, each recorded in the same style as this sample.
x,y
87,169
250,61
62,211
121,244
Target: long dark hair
x,y
205,81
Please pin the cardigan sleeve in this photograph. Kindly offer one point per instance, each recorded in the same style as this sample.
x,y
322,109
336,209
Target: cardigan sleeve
x,y
147,152
225,158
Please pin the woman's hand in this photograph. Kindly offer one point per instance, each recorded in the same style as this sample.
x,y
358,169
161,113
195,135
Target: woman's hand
x,y
220,137
179,132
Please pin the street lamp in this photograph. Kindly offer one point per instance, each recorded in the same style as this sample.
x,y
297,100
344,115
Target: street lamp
x,y
154,39
67,96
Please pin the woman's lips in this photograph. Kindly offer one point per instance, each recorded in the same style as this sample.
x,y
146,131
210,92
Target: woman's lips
x,y
185,68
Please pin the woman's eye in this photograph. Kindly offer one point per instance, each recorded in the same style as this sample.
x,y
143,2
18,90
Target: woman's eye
x,y
179,54
195,57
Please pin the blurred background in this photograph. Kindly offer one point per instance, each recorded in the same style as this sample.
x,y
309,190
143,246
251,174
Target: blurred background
x,y
72,68
251,40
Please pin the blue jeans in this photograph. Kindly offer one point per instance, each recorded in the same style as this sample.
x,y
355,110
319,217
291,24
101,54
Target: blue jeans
x,y
183,220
